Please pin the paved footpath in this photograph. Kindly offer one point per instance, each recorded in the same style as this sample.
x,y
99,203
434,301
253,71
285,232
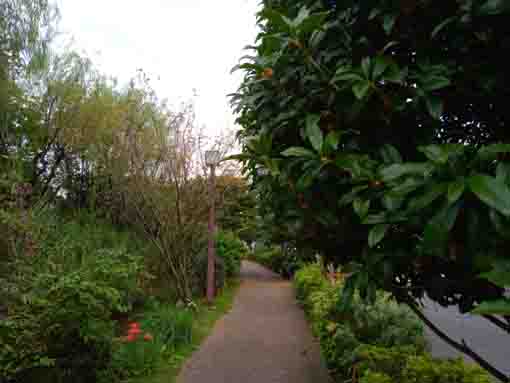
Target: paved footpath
x,y
263,339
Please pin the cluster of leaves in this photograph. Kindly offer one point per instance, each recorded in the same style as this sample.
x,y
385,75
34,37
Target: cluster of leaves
x,y
379,126
402,364
61,302
284,260
342,331
161,331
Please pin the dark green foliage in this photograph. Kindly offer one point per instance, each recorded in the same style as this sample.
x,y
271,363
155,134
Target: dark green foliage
x,y
342,331
229,252
62,298
383,129
378,343
282,260
168,328
230,249
404,365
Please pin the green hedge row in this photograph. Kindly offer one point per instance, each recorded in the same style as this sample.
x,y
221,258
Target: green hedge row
x,y
285,263
379,343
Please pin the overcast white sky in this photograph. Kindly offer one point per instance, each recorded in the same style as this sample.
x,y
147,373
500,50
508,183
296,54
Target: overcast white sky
x,y
187,44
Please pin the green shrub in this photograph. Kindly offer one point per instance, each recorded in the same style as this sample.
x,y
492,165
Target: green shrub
x,y
135,358
231,250
308,280
381,342
405,365
390,361
168,328
342,332
283,262
375,377
172,325
62,299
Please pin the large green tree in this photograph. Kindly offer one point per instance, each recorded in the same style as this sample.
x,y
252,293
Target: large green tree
x,y
376,133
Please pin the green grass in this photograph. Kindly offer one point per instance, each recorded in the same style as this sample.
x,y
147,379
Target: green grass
x,y
205,318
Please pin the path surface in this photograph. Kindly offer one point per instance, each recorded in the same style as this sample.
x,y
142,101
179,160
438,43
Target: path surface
x,y
264,339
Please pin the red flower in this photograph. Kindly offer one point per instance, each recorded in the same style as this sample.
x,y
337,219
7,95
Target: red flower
x,y
148,337
134,325
134,331
129,338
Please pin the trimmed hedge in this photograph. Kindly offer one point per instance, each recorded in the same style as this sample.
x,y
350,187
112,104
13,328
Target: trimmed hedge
x,y
379,343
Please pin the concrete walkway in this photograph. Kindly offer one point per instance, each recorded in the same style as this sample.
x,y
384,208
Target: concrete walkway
x,y
265,338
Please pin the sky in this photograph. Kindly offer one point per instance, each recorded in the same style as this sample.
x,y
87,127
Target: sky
x,y
183,45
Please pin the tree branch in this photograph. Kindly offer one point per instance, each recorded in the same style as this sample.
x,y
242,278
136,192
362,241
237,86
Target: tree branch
x,y
462,347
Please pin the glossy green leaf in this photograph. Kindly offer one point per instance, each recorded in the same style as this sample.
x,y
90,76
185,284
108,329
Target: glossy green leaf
x,y
503,172
492,192
312,22
495,307
275,18
297,151
429,196
374,219
332,140
500,273
389,23
377,234
494,7
303,14
435,238
455,190
390,154
374,13
408,186
380,65
490,152
366,65
361,89
392,201
501,224
361,207
434,106
392,172
347,77
435,83
348,198
441,26
441,153
313,132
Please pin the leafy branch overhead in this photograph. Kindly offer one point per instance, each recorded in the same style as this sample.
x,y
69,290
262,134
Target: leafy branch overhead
x,y
385,127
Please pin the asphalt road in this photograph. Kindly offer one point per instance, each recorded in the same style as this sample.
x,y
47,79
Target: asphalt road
x,y
487,340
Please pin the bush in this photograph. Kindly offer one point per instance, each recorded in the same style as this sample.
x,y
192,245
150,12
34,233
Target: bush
x,y
62,299
283,262
161,331
308,280
404,365
341,332
229,252
230,249
381,342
